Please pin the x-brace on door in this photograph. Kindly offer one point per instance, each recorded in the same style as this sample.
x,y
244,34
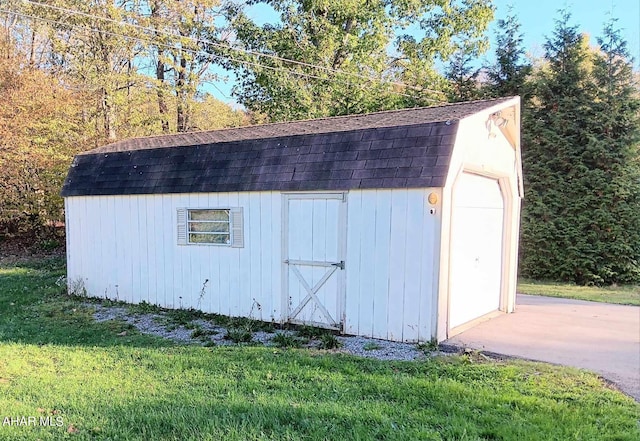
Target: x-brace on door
x,y
313,251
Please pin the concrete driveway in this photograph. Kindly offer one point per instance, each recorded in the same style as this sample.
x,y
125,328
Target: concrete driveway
x,y
600,337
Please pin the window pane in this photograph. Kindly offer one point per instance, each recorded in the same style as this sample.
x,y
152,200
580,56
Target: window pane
x,y
209,238
212,227
209,215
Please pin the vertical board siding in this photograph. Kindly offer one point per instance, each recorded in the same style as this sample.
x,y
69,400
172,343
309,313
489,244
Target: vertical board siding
x,y
252,276
397,264
164,237
367,249
139,258
429,274
390,256
152,253
233,254
354,224
380,262
265,263
125,248
414,260
276,220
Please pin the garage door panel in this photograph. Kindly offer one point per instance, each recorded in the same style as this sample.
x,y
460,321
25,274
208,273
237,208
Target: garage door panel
x,y
476,191
476,249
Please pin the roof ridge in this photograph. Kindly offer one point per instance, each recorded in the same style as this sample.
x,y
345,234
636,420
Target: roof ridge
x,y
169,136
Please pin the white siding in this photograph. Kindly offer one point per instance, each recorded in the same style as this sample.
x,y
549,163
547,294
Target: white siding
x,y
397,264
125,248
391,248
493,155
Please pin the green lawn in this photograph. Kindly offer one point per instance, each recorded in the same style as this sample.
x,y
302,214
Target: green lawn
x,y
623,295
55,361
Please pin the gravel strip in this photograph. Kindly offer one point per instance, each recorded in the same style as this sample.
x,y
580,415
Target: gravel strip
x,y
381,349
159,325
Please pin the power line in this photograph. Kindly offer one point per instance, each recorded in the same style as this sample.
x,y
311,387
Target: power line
x,y
228,47
139,39
197,52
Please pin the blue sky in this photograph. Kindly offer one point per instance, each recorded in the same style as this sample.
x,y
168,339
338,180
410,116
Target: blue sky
x,y
537,19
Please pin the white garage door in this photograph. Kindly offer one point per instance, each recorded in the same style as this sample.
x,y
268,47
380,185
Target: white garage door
x,y
476,248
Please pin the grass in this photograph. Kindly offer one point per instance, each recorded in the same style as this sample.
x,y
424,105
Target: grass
x,y
56,361
622,295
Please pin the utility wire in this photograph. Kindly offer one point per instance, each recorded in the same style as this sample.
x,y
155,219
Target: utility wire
x,y
143,40
196,52
229,47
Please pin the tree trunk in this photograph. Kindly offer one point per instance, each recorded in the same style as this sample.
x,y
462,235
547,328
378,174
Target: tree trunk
x,y
182,119
108,115
162,103
163,109
32,49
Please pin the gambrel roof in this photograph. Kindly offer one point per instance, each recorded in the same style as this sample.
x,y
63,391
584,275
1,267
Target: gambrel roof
x,y
408,148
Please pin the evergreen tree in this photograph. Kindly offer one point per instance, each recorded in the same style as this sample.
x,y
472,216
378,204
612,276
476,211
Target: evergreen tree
x,y
463,77
614,149
580,216
507,77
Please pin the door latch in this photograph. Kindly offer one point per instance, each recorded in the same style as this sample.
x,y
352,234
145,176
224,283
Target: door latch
x,y
339,264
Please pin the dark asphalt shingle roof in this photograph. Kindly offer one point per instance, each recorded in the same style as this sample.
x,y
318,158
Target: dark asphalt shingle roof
x,y
394,149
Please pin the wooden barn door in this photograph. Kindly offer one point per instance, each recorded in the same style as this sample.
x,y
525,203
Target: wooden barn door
x,y
313,250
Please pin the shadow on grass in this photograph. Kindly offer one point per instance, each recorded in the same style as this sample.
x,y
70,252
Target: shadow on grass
x,y
110,386
35,309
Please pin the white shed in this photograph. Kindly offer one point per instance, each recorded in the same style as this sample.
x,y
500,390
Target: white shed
x,y
399,225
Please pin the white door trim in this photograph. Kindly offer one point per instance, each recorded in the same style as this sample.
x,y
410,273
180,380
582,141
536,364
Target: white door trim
x,y
333,322
504,183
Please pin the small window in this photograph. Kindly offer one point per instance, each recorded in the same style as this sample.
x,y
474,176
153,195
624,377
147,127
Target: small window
x,y
209,226
204,226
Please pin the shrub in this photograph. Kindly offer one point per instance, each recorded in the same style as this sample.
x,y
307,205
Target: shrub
x,y
285,340
329,341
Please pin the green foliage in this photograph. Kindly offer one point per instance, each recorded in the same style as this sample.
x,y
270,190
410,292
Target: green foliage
x,y
329,341
182,316
581,214
371,346
311,332
463,77
428,346
508,76
348,41
286,340
71,82
239,335
203,334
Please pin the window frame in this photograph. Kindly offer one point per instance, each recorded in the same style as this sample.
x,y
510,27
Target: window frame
x,y
236,226
227,233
